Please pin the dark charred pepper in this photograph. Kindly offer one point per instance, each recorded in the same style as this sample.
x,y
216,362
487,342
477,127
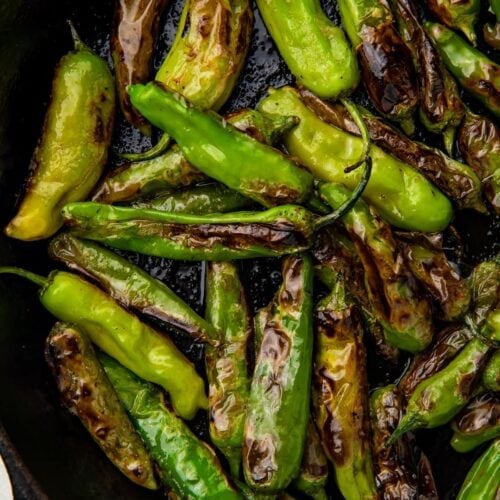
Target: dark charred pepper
x,y
386,64
474,71
278,407
340,393
188,467
88,394
491,31
120,334
132,44
130,285
477,423
73,147
491,374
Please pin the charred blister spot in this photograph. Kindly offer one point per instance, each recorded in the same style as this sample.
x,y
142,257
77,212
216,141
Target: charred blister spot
x,y
335,442
261,460
291,294
481,413
99,134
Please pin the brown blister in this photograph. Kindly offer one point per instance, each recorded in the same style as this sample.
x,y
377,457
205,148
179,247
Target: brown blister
x,y
481,413
314,463
467,382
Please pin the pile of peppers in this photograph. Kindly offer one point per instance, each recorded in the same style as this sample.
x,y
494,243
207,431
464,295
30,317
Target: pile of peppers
x,y
356,210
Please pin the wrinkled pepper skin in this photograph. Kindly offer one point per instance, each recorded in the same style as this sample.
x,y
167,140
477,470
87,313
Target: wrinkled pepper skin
x,y
455,179
477,423
188,467
395,472
209,51
316,51
485,288
482,479
223,153
87,393
73,148
239,235
130,285
133,39
491,31
340,394
228,367
399,305
401,195
479,144
473,70
491,374
385,60
440,397
278,407
461,15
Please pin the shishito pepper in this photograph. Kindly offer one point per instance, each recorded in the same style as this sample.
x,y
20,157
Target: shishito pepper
x,y
401,195
340,393
477,423
120,334
491,31
491,374
316,51
278,407
474,71
228,367
485,288
482,479
88,394
188,467
130,285
73,147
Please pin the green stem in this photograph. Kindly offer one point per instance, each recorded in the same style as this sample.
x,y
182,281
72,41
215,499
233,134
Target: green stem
x,y
35,278
77,41
159,148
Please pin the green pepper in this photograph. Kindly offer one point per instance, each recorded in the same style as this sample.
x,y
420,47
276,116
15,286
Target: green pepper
x,y
491,327
278,407
401,195
485,288
474,71
340,393
440,397
477,423
187,466
227,367
73,147
120,334
386,66
403,311
491,31
315,50
88,394
491,374
130,285
479,144
461,15
482,479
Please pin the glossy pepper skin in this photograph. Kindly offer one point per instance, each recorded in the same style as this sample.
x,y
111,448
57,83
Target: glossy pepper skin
x,y
316,51
238,235
135,29
340,393
188,467
228,367
145,351
399,305
479,144
386,64
209,51
491,31
485,288
278,407
473,70
73,147
88,394
455,179
130,285
402,196
477,423
482,479
491,374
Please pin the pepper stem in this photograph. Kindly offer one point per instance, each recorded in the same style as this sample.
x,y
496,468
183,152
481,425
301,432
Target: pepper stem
x,y
159,148
77,41
407,424
35,278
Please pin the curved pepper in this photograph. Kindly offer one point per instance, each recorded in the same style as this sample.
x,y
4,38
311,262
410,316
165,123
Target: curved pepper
x,y
491,374
73,147
130,285
474,71
278,407
315,50
120,334
88,394
401,195
187,466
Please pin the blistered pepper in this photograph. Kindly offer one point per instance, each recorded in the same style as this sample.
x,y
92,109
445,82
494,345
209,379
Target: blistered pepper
x,y
485,289
491,374
73,147
120,334
491,31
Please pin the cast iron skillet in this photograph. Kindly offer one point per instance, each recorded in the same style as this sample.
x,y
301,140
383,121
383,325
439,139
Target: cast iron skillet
x,y
47,451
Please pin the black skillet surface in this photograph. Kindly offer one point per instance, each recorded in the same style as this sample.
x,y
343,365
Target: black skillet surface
x,y
52,454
